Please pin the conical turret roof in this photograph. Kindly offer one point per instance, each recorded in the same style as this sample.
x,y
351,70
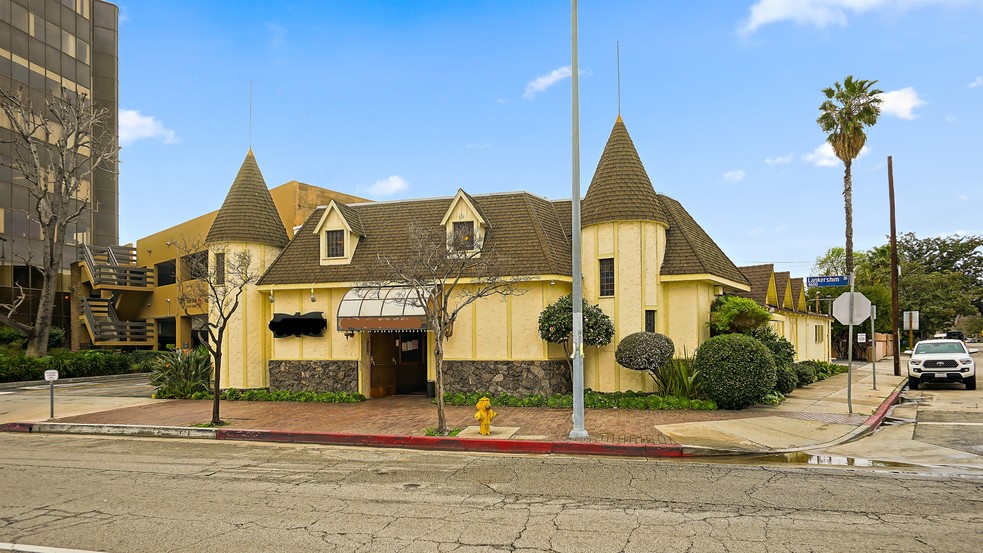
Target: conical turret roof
x,y
248,213
621,189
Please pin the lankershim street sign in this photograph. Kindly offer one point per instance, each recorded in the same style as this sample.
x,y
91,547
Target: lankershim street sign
x,y
824,281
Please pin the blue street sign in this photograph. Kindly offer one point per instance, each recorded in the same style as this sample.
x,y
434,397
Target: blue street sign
x,y
822,281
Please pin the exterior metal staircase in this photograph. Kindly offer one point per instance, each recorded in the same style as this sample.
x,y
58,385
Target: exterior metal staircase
x,y
112,272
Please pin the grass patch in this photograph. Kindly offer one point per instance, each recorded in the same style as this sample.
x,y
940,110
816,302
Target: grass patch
x,y
432,431
209,424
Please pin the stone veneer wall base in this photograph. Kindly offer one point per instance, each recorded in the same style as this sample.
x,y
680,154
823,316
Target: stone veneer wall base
x,y
319,375
518,378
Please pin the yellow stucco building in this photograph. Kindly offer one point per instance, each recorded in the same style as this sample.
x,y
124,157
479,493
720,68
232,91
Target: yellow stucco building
x,y
312,321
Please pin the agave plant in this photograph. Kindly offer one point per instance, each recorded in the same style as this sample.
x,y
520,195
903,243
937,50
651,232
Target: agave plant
x,y
179,374
678,378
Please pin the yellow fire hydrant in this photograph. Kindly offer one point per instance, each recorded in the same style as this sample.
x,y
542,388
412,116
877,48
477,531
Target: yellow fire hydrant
x,y
484,416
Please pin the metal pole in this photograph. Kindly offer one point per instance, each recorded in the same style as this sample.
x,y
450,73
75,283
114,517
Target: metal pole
x,y
873,340
577,271
51,394
895,310
849,355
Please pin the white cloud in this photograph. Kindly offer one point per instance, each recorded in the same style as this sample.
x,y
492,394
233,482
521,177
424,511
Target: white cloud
x,y
388,186
823,156
780,160
963,197
543,82
737,175
133,127
900,103
478,146
977,83
951,119
825,13
277,35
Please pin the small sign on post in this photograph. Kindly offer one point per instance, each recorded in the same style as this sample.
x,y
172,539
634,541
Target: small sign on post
x,y
826,281
51,376
862,337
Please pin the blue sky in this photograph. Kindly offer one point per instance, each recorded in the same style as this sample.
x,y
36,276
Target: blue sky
x,y
392,100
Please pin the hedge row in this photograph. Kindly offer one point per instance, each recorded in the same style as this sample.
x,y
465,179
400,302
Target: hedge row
x,y
17,367
307,396
592,399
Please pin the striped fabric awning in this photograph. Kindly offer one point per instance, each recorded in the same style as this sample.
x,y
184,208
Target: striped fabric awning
x,y
381,309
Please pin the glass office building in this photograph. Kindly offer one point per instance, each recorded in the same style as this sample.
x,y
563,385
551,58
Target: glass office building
x,y
46,45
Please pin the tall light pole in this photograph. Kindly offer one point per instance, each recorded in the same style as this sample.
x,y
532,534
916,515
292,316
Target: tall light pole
x,y
576,270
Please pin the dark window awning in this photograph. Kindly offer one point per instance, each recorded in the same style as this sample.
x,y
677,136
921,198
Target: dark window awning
x,y
308,324
386,308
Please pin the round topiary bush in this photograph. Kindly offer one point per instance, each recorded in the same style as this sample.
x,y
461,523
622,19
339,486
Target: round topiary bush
x,y
644,351
736,370
805,374
786,380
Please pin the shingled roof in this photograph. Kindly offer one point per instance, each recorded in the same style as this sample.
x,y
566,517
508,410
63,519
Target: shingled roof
x,y
690,250
781,286
248,213
621,189
798,286
351,217
760,277
523,225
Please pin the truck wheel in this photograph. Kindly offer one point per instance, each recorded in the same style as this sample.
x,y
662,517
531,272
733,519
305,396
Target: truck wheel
x,y
913,383
970,382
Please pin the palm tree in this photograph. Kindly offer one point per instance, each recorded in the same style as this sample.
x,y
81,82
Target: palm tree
x,y
848,109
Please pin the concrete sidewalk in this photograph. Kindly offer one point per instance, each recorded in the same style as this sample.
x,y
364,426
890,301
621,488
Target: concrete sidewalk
x,y
811,417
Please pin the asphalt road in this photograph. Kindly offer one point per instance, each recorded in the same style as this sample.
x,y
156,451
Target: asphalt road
x,y
133,495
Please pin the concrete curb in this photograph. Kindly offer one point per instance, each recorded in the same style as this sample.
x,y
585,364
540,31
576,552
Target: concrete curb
x,y
441,443
110,429
453,444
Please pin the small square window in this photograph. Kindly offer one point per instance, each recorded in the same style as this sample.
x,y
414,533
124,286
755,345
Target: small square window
x,y
607,277
464,236
334,243
649,320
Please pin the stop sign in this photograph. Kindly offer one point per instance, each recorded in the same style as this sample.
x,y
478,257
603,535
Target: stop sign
x,y
861,308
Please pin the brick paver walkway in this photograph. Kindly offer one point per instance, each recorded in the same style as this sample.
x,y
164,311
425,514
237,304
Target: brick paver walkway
x,y
407,415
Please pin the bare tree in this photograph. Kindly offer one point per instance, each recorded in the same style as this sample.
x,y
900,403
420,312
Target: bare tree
x,y
446,273
212,283
58,148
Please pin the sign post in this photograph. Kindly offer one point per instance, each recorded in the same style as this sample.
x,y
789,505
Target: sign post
x,y
911,324
51,376
851,309
873,349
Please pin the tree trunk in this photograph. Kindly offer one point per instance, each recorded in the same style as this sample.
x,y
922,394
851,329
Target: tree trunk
x,y
216,420
848,206
438,360
37,344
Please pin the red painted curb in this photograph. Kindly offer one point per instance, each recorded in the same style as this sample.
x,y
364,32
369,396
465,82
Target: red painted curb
x,y
16,427
442,443
878,416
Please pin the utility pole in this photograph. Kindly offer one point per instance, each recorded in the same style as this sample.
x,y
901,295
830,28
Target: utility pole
x,y
577,271
894,272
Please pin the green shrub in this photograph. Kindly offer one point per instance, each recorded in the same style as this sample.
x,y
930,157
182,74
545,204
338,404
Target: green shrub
x,y
17,367
592,399
10,336
56,337
735,370
180,375
772,398
644,351
142,360
804,374
824,369
736,314
782,350
679,378
556,323
786,379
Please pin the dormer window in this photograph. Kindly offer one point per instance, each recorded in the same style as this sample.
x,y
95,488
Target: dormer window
x,y
334,243
338,232
463,236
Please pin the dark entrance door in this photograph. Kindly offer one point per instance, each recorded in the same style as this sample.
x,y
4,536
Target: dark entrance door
x,y
399,363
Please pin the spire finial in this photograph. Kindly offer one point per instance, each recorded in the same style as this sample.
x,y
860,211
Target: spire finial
x,y
617,46
250,115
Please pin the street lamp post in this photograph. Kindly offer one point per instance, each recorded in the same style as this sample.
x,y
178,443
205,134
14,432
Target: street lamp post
x,y
577,272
